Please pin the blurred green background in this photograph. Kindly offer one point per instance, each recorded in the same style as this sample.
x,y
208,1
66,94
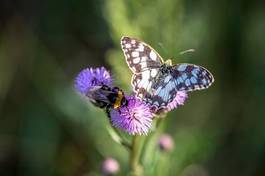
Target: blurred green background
x,y
47,129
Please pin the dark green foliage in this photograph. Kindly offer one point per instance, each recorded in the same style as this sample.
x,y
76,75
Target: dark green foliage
x,y
47,129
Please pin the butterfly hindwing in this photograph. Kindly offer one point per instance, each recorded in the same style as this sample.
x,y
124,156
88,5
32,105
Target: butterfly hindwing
x,y
164,91
182,77
189,77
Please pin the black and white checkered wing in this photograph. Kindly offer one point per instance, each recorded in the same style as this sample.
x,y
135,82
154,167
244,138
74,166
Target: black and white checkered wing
x,y
139,55
164,91
190,77
144,63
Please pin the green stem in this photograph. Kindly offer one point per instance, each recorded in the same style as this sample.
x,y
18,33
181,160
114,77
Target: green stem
x,y
135,156
123,141
151,136
118,137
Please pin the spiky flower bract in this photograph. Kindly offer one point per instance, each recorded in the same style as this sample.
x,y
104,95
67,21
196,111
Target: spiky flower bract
x,y
134,118
91,77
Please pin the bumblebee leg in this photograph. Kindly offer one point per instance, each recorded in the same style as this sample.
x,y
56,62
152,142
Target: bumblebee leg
x,y
108,110
108,113
101,104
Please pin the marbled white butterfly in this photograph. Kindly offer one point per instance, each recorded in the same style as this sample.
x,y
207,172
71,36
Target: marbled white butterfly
x,y
157,82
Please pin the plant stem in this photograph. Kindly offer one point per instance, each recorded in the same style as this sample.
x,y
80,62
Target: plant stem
x,y
118,137
135,155
123,141
150,137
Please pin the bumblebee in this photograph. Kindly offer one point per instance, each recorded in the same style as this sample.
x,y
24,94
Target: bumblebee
x,y
106,97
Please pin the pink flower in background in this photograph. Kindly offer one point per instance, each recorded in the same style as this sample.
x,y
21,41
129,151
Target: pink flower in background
x,y
166,142
110,166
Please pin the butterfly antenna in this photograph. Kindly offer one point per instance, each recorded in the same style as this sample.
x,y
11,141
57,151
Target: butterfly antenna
x,y
187,51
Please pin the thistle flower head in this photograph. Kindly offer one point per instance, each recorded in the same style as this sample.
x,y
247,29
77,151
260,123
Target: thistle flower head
x,y
134,118
90,77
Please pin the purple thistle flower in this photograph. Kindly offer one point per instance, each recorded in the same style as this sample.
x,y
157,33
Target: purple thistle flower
x,y
90,77
135,118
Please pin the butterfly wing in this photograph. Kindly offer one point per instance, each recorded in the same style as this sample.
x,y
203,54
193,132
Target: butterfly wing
x,y
150,84
189,77
164,91
183,77
139,55
144,63
143,82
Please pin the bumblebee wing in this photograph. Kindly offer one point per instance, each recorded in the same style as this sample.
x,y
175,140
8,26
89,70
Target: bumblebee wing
x,y
97,94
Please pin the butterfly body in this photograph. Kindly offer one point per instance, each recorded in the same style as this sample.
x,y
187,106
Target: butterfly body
x,y
157,81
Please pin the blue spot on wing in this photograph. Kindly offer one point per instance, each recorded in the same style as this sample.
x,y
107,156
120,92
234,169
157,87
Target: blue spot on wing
x,y
184,76
195,72
204,81
182,67
179,79
193,80
187,82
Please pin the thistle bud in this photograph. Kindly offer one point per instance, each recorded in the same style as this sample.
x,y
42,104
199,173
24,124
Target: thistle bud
x,y
166,143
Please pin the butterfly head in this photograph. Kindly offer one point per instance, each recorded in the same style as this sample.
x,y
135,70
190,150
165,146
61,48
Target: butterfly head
x,y
168,62
166,67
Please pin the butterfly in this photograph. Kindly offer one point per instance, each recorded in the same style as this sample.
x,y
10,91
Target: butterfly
x,y
157,81
106,97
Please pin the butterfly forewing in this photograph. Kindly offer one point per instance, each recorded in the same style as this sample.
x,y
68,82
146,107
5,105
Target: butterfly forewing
x,y
191,77
139,56
144,63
